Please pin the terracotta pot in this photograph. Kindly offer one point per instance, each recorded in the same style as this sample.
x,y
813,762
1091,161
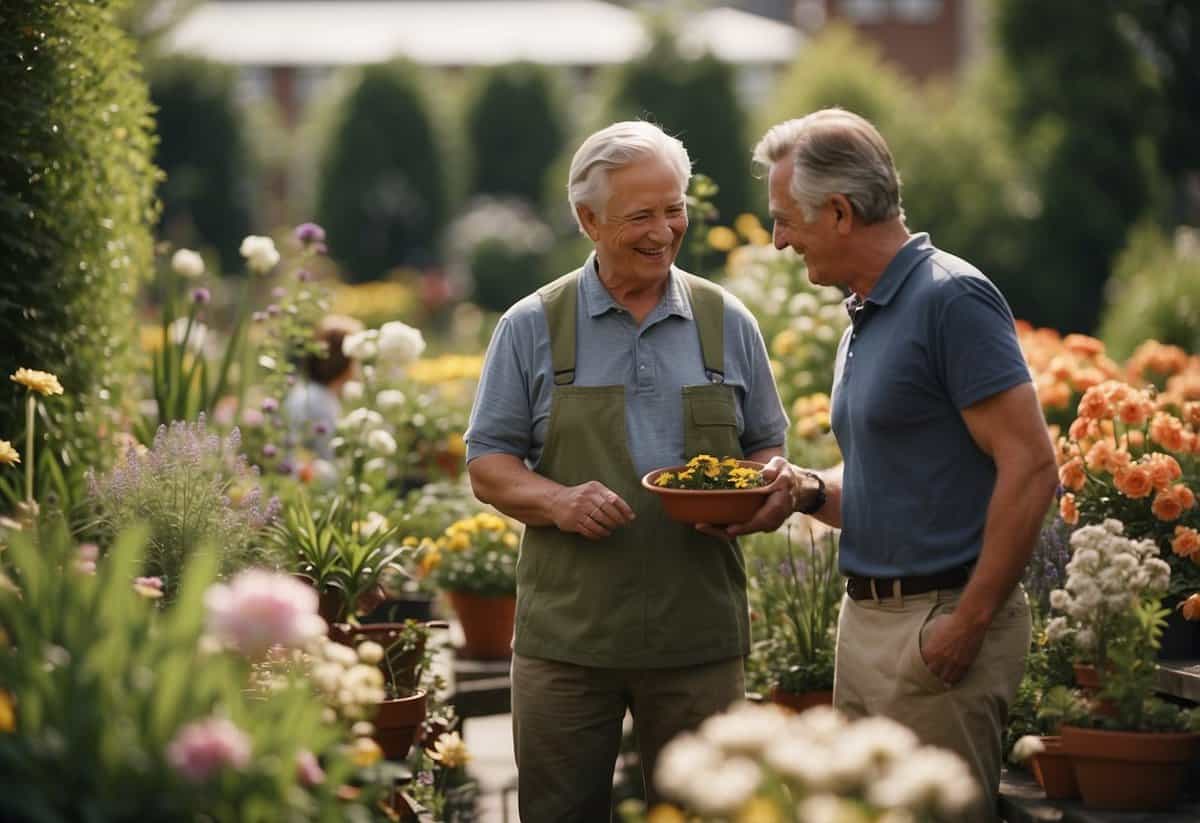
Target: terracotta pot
x,y
401,666
801,701
397,723
1128,771
1090,682
487,623
720,507
1053,770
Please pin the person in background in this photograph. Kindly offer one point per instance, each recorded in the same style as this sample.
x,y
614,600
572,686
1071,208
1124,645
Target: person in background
x,y
947,467
313,406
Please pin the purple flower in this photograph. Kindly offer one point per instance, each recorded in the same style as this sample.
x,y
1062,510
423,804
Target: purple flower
x,y
272,310
269,450
304,275
308,769
201,296
270,405
285,467
203,748
320,428
309,233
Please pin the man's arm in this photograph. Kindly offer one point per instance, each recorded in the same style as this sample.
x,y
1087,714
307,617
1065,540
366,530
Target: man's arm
x,y
589,509
1009,428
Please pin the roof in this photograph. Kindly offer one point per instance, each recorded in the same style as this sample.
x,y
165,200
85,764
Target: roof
x,y
459,33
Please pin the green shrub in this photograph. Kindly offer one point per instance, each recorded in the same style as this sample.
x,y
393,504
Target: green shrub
x,y
381,191
694,100
1154,293
516,129
502,246
202,149
76,206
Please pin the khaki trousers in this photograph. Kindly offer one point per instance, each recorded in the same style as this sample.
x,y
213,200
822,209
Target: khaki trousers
x,y
567,727
880,671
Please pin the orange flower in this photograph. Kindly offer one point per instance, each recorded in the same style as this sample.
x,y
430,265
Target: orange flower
x,y
1103,456
1094,403
1083,429
1191,608
1164,470
1186,542
1071,474
1165,507
1068,510
1054,394
1135,439
1061,367
1084,379
1134,481
1167,431
1083,345
1184,496
1064,450
1134,411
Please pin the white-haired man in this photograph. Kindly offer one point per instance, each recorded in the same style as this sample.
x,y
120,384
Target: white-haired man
x,y
619,367
948,468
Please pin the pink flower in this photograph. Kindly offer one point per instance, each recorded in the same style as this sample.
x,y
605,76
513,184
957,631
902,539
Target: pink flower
x,y
206,746
259,609
85,558
149,587
308,769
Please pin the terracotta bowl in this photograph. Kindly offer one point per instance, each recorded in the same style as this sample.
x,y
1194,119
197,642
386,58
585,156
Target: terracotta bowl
x,y
720,507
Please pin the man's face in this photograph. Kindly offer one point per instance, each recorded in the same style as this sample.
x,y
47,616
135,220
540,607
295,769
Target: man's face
x,y
816,242
639,235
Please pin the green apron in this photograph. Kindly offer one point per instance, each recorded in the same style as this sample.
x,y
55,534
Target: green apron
x,y
655,593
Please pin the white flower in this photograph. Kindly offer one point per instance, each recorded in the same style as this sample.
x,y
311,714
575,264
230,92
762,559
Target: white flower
x,y
869,746
804,760
400,343
928,779
376,465
1026,747
361,345
821,724
382,442
1059,599
683,758
744,729
1056,629
187,263
196,335
724,791
373,523
389,399
370,651
362,418
828,808
337,653
260,253
1085,639
352,391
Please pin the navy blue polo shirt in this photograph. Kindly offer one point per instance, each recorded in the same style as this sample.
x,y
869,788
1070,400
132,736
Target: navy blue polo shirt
x,y
933,337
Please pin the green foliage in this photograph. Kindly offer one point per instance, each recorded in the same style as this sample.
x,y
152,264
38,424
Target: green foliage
x,y
794,597
102,682
203,151
1074,71
503,247
381,193
1042,700
76,203
1155,293
517,128
694,100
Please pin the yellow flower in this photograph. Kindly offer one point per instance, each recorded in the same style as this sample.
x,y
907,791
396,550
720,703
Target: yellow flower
x,y
687,474
8,717
365,752
747,224
42,382
722,238
510,540
785,343
760,810
411,542
762,237
8,455
458,542
450,750
702,459
455,445
663,813
664,478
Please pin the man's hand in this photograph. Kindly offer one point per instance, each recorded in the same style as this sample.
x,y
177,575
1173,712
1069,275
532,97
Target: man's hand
x,y
783,483
950,647
590,509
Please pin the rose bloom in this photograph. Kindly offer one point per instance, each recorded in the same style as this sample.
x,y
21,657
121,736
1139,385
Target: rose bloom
x,y
1071,474
1083,429
1167,431
1068,510
1102,456
202,748
1134,411
1164,470
1134,481
1094,403
1166,507
1186,542
1184,496
1191,608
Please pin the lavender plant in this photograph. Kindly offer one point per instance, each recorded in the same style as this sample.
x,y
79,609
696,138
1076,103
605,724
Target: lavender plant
x,y
191,488
1047,568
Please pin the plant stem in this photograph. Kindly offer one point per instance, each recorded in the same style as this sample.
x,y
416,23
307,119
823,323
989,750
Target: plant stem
x,y
30,410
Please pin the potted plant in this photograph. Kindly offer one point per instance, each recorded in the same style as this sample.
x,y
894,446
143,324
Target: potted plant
x,y
709,489
1129,749
475,563
795,599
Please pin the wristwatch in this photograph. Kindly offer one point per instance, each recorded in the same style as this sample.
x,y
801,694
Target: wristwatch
x,y
819,499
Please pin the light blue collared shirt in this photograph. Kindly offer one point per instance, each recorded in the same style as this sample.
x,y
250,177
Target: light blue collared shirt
x,y
653,361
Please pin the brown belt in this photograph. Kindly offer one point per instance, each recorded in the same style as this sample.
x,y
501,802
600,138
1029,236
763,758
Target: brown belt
x,y
869,588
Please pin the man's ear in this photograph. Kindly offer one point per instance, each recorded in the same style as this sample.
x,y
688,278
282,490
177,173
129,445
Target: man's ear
x,y
589,220
843,213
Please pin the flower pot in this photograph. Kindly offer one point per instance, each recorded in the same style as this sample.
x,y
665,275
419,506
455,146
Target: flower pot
x,y
1053,770
1089,681
415,606
400,666
1128,771
801,701
487,623
397,722
719,507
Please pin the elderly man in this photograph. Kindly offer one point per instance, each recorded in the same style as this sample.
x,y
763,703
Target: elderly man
x,y
619,367
948,468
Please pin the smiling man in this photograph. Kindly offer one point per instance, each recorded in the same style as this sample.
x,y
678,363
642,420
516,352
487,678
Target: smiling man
x,y
948,469
624,365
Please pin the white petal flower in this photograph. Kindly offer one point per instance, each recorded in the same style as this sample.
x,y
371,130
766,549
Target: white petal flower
x,y
382,442
260,253
187,263
374,522
400,343
727,789
1059,599
683,758
744,729
352,391
802,760
1026,747
389,399
361,419
361,345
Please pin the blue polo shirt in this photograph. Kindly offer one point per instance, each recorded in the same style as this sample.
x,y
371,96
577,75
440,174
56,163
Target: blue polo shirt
x,y
933,337
653,361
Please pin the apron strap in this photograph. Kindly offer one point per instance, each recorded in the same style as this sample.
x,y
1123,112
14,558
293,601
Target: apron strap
x,y
708,303
559,299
